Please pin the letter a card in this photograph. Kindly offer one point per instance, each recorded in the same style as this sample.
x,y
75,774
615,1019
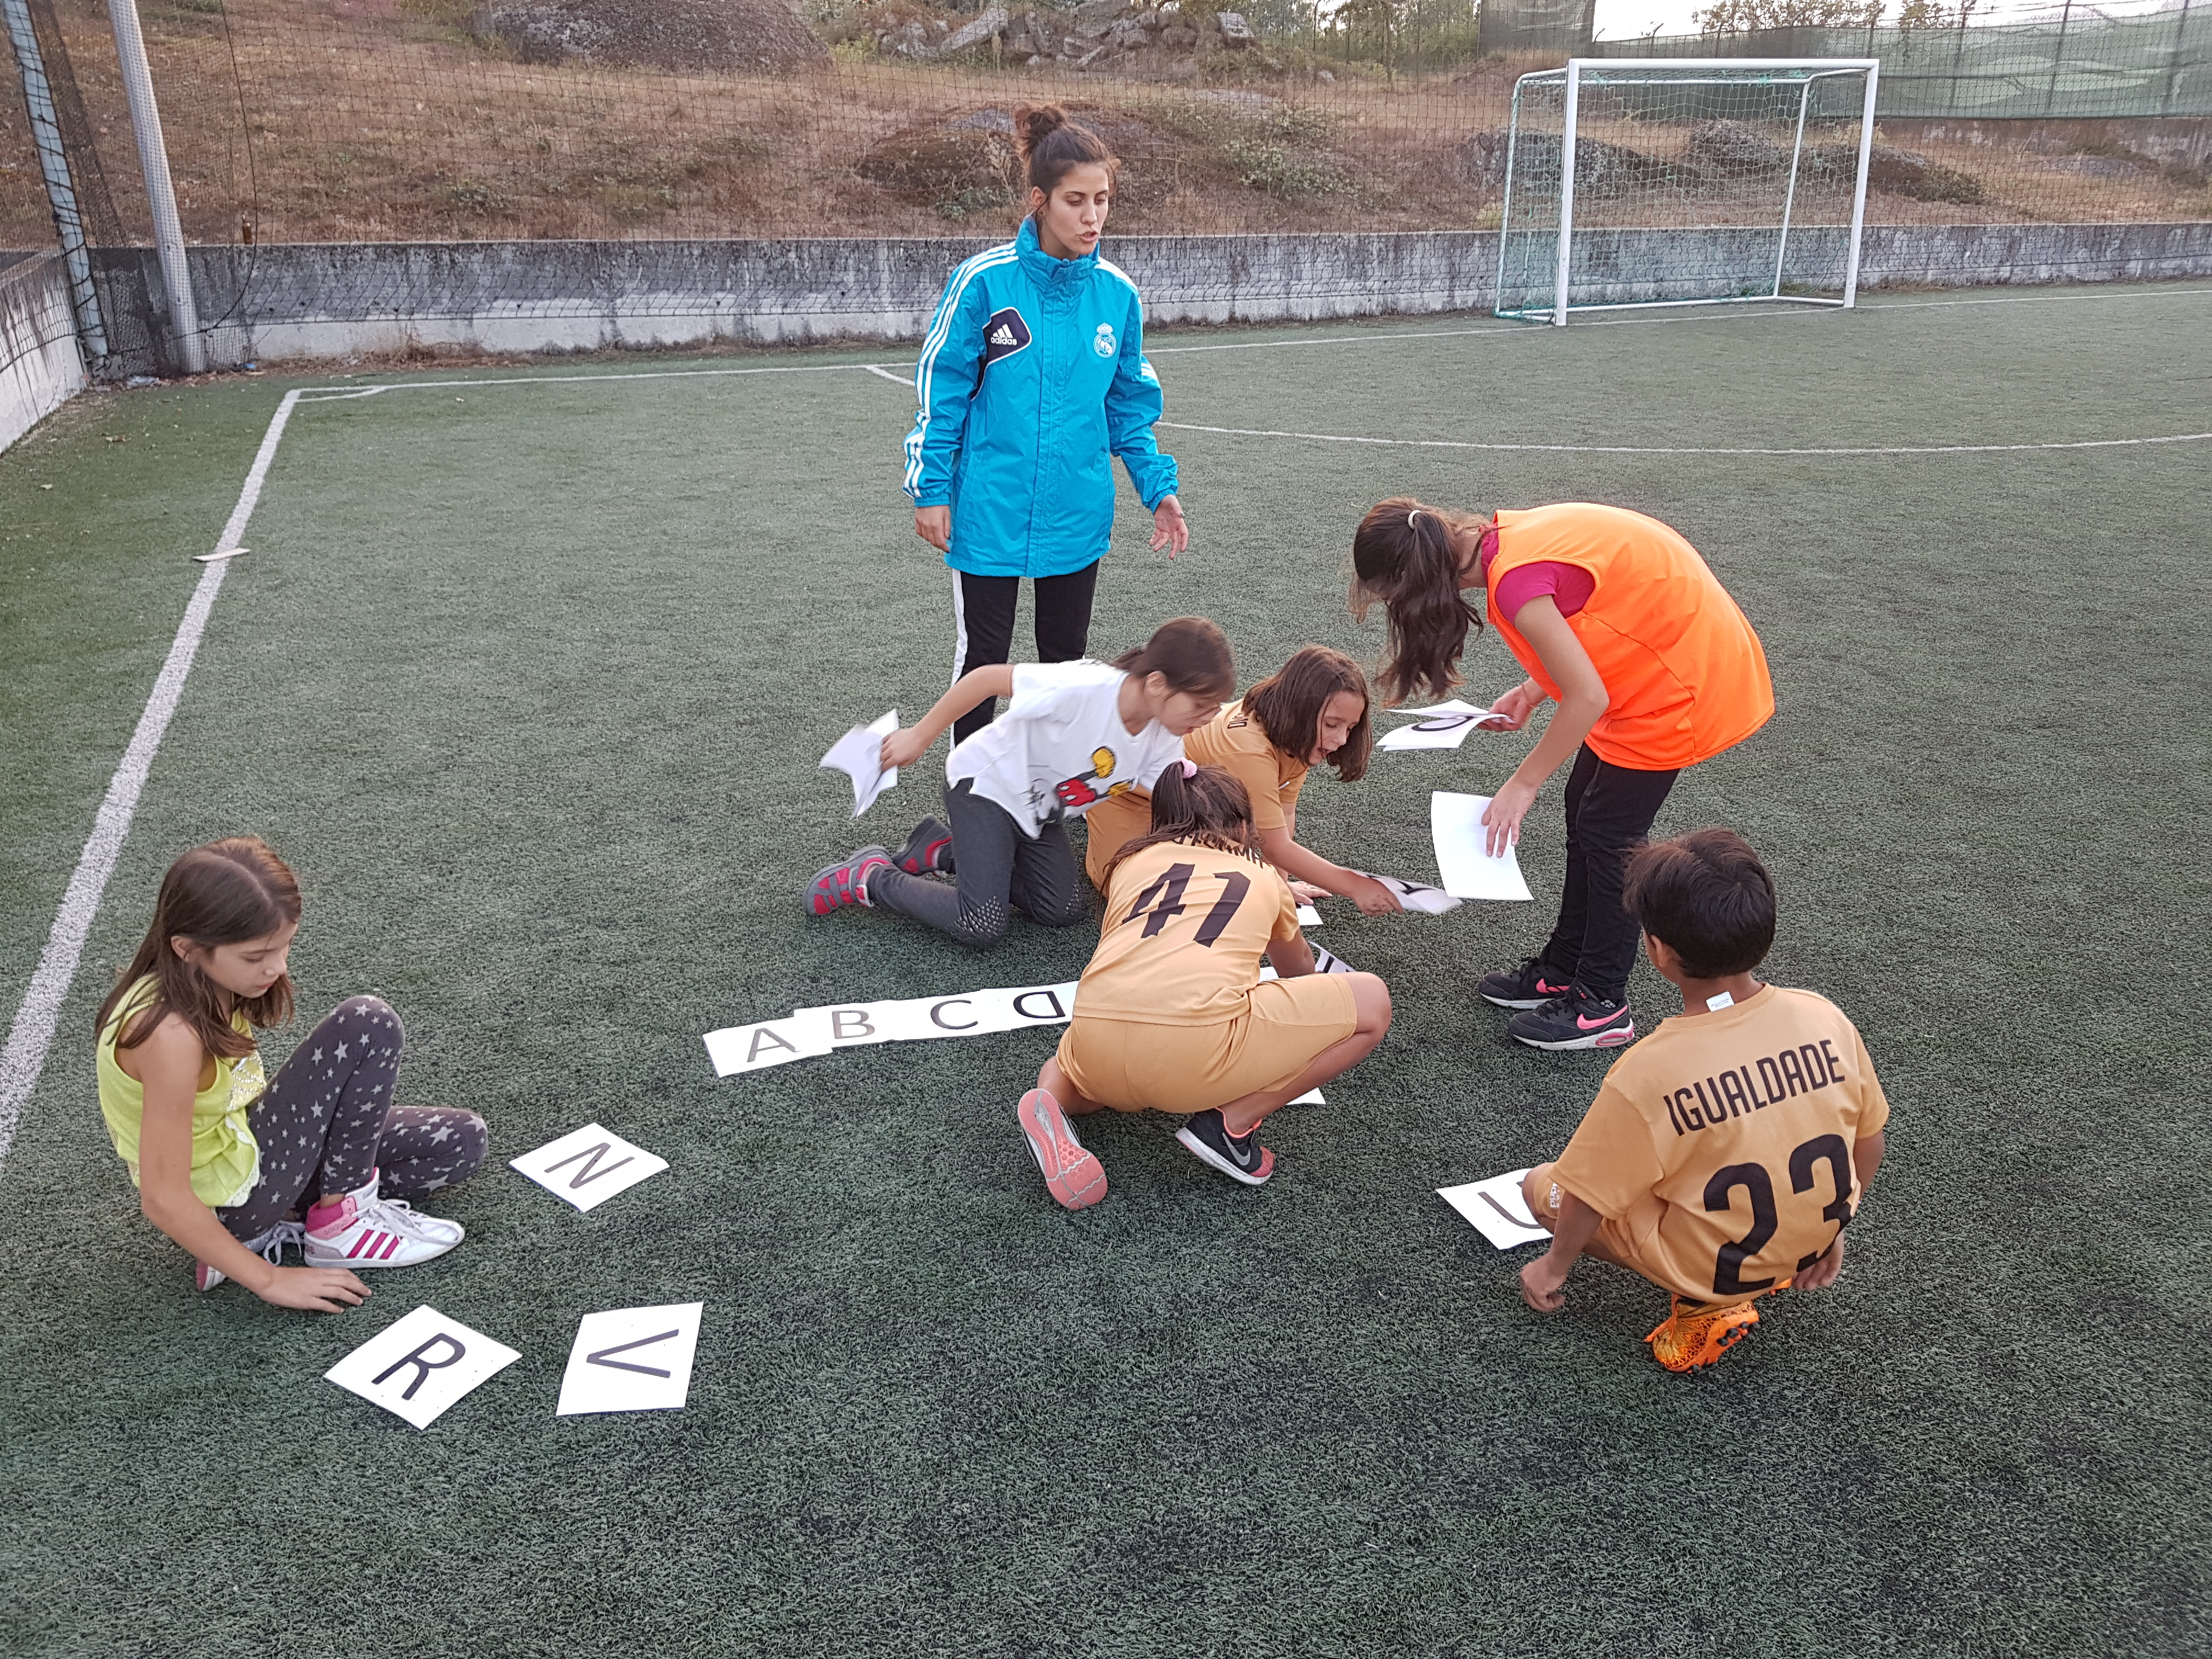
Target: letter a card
x,y
418,1366
589,1167
631,1360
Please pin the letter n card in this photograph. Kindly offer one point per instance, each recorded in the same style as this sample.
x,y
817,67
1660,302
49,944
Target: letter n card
x,y
589,1167
418,1366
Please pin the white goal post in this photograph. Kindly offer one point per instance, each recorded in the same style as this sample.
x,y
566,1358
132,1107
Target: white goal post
x,y
1685,181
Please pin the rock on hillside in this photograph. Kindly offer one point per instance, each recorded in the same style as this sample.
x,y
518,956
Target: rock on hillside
x,y
675,34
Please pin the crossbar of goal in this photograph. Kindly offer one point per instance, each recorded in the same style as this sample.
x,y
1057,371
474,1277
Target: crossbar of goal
x,y
1804,74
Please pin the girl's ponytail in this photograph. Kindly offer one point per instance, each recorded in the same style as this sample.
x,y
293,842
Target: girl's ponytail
x,y
1190,653
1406,556
1201,806
1051,146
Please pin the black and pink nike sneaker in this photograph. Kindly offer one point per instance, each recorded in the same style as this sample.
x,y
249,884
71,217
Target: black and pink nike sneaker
x,y
1574,1020
1530,986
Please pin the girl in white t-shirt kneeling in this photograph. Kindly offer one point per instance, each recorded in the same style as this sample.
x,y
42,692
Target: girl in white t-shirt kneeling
x,y
1074,734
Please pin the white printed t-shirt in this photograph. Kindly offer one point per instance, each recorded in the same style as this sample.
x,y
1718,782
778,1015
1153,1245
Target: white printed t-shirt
x,y
1060,748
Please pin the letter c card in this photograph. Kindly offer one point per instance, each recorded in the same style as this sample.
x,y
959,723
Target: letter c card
x,y
418,1365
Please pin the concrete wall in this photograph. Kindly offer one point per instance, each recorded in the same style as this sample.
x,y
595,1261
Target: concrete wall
x,y
40,368
325,300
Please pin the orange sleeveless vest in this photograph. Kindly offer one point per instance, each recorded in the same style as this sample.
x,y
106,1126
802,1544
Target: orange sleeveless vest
x,y
1683,672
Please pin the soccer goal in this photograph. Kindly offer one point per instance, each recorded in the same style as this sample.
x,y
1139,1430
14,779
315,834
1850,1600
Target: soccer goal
x,y
1670,181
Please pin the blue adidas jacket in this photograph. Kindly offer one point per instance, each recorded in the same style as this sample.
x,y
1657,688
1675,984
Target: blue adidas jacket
x,y
1031,380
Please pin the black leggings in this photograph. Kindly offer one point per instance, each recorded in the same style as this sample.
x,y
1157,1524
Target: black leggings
x,y
984,616
1610,809
326,1122
999,867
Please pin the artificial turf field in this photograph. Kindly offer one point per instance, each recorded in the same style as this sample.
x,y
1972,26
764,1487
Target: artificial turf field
x,y
529,681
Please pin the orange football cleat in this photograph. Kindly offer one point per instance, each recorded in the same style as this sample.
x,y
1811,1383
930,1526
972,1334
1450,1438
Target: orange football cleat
x,y
1691,1341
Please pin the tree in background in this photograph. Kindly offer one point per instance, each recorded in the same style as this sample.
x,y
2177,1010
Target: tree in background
x,y
1744,17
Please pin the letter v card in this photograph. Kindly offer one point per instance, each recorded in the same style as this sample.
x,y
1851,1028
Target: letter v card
x,y
631,1360
418,1365
589,1167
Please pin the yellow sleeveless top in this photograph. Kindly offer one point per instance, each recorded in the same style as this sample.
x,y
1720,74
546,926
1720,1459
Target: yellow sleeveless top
x,y
226,1158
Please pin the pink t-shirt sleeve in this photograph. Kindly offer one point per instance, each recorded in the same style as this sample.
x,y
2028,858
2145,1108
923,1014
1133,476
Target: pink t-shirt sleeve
x,y
1569,585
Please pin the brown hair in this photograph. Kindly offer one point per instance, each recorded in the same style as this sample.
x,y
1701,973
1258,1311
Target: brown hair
x,y
1406,555
223,893
1708,897
1209,808
1288,705
1051,146
1190,652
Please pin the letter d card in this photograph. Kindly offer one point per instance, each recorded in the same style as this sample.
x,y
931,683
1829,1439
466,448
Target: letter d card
x,y
418,1366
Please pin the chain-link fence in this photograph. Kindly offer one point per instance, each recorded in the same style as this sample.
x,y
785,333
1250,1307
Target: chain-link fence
x,y
381,120
2072,61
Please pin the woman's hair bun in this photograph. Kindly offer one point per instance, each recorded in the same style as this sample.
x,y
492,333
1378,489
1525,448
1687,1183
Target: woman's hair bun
x,y
1033,122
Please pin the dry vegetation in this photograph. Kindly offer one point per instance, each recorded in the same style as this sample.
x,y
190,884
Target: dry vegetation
x,y
336,120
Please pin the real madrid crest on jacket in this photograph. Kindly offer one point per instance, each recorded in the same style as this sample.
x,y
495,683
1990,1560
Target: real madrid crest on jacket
x,y
1031,380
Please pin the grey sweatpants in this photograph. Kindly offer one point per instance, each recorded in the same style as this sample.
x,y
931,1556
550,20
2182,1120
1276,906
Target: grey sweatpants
x,y
1000,869
326,1120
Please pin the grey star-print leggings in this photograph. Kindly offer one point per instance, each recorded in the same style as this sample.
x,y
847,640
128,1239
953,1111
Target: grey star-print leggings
x,y
326,1120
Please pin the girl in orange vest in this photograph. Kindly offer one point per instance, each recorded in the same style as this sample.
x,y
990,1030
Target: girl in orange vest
x,y
1618,620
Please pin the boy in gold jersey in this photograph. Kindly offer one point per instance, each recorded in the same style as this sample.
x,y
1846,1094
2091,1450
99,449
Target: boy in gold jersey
x,y
1727,1151
1171,1014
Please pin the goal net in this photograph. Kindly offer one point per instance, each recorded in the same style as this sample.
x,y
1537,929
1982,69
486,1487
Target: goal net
x,y
1685,181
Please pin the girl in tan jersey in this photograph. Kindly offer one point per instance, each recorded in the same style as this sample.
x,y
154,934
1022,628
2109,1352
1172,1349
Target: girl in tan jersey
x,y
1313,711
1171,1014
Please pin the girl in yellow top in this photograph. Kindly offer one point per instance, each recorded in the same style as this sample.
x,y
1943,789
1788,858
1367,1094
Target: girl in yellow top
x,y
1171,1014
1310,713
221,1155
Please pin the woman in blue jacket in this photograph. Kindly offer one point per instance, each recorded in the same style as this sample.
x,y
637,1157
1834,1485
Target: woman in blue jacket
x,y
1032,379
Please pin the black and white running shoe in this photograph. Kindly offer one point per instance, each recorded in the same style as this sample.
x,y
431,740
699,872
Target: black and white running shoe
x,y
1241,1158
1575,1021
1530,986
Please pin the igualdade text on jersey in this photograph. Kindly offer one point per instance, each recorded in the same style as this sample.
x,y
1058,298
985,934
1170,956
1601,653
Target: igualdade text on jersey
x,y
1749,1088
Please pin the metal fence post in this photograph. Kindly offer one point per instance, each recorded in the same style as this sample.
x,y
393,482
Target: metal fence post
x,y
61,190
161,192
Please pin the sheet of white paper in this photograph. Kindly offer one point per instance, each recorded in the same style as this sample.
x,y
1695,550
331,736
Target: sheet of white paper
x,y
589,1167
1456,822
1311,1097
421,1364
1416,895
631,1360
1443,726
858,755
1497,1208
771,1043
1455,706
1327,962
1308,916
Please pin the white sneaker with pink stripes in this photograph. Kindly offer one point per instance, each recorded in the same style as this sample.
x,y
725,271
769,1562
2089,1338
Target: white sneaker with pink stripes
x,y
368,1231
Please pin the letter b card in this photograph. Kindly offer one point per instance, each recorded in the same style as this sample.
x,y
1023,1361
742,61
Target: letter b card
x,y
418,1365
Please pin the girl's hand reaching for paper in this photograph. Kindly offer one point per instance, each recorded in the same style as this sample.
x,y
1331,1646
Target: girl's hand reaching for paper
x,y
1501,819
1514,707
903,748
1372,897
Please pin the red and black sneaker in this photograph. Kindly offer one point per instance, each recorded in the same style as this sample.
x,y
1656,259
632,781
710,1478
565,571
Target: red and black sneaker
x,y
1575,1020
928,852
1530,986
845,883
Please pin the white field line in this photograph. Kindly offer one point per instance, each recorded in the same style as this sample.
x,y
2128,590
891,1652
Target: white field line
x,y
1633,449
896,379
24,1058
